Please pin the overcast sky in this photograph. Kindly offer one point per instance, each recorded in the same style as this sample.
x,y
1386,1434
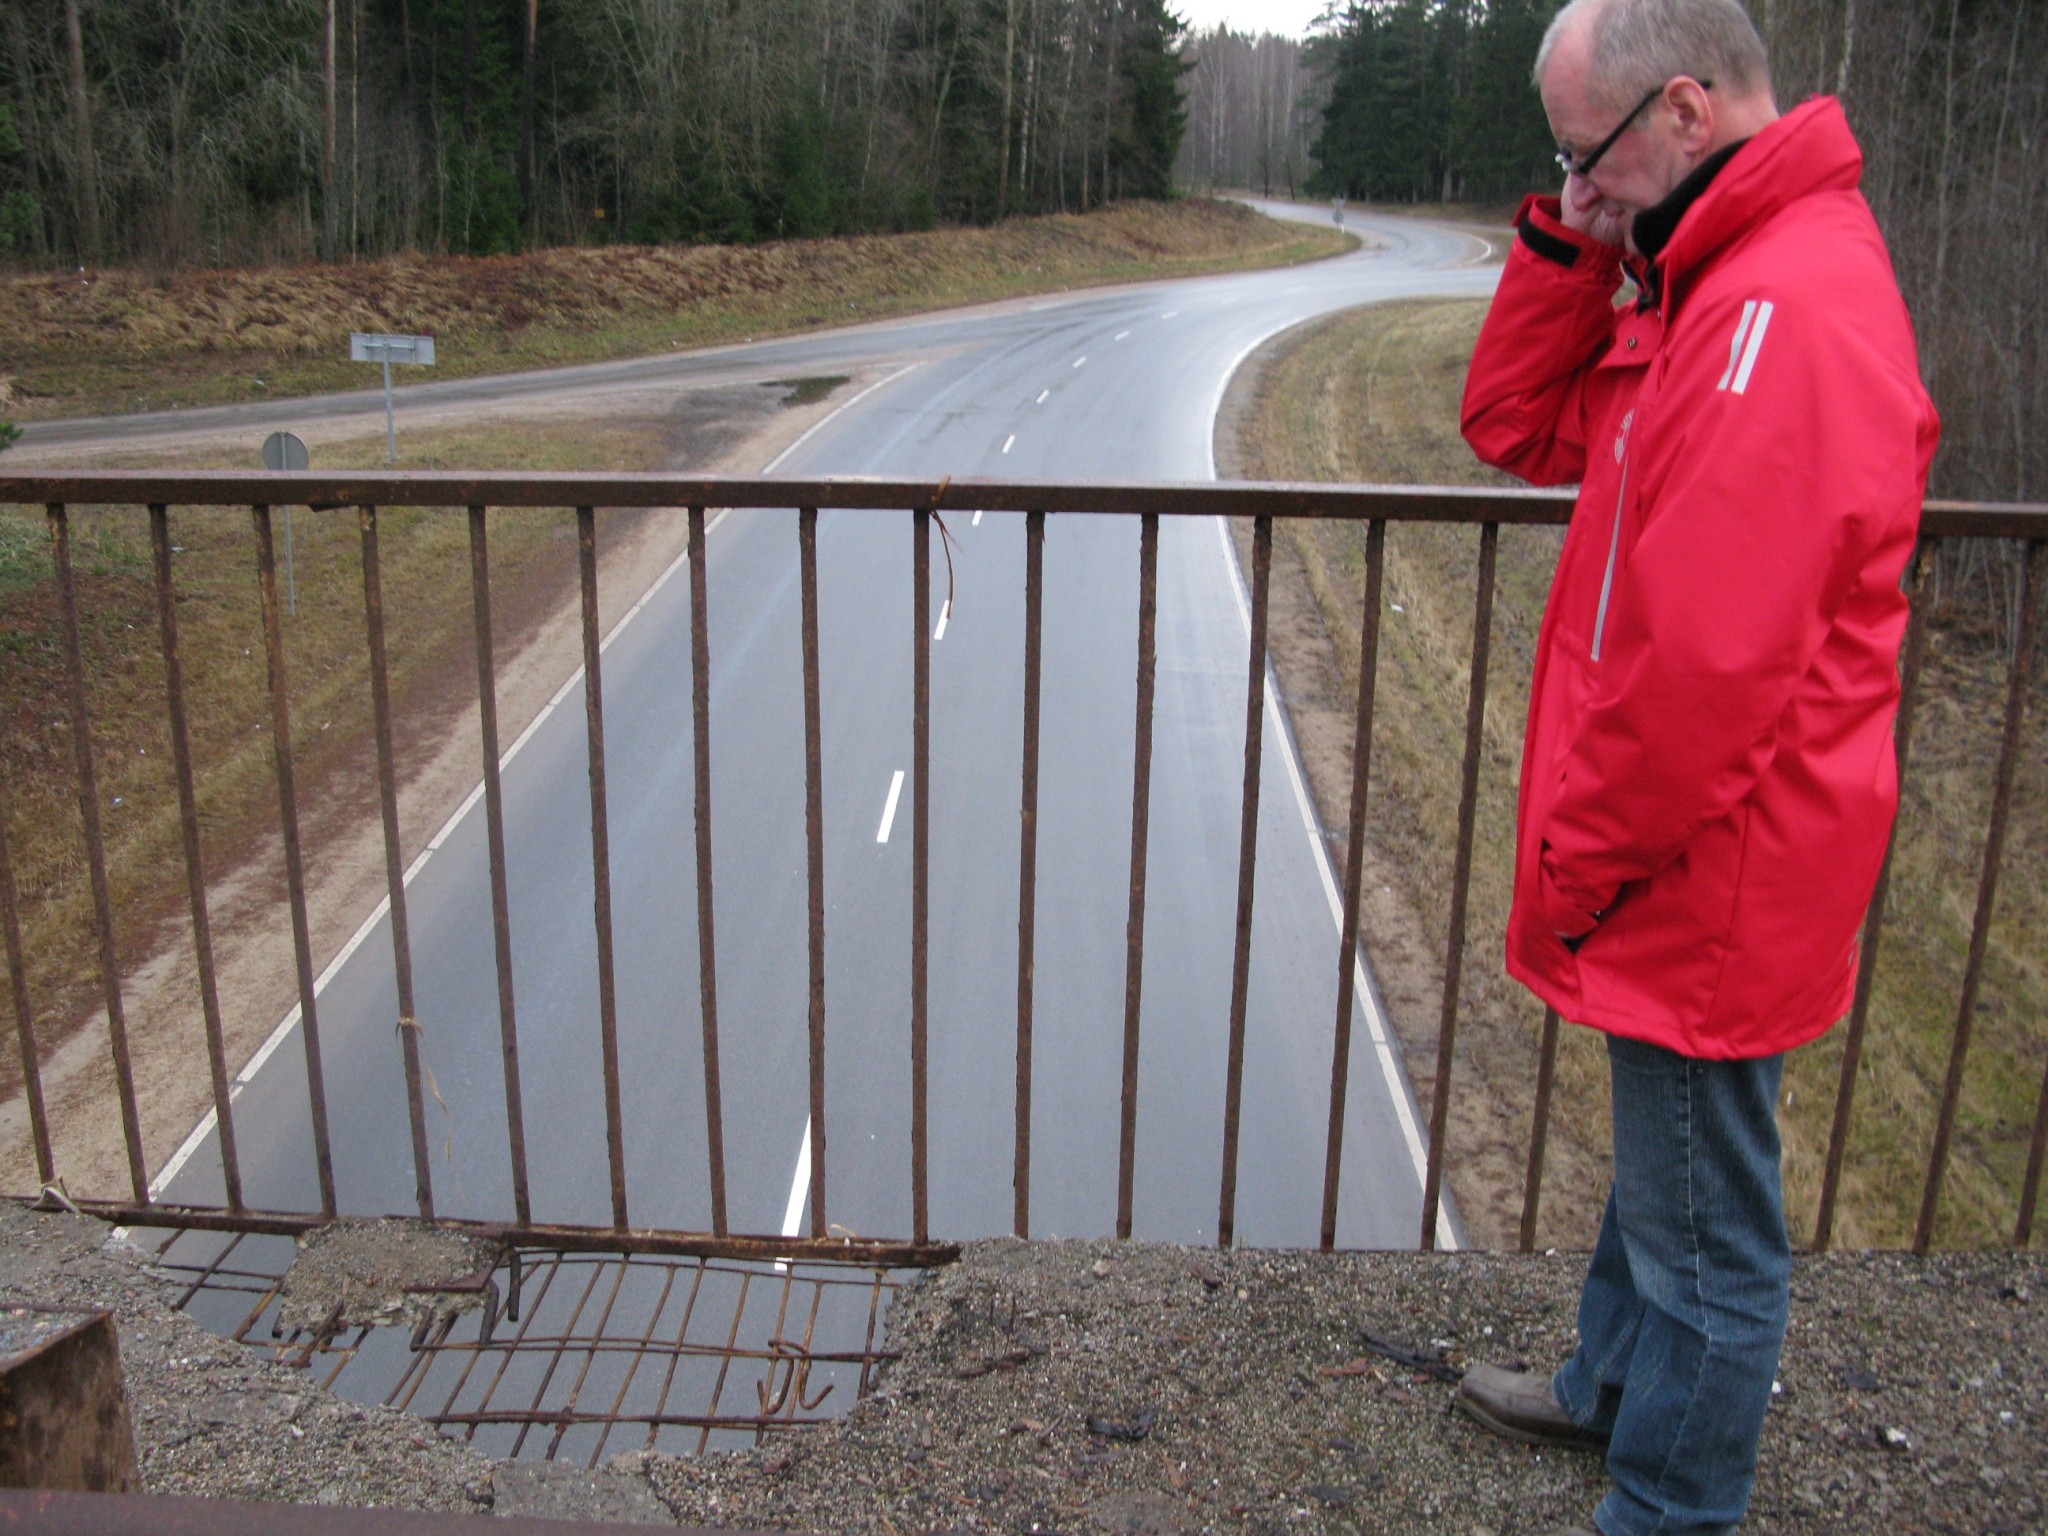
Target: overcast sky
x,y
1288,18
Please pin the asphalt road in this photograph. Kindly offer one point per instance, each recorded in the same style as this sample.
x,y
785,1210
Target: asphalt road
x,y
1116,384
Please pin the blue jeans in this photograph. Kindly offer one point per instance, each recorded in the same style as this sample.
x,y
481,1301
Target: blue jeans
x,y
1683,1312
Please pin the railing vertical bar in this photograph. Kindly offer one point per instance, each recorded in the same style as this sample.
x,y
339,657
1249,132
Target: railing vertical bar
x,y
601,861
1247,862
294,863
707,946
195,868
24,1015
1873,922
1027,861
920,862
96,855
1539,1130
1461,882
814,840
1141,810
2030,1189
494,823
2031,583
409,1030
1354,870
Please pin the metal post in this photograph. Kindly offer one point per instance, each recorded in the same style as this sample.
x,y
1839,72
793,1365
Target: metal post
x,y
390,430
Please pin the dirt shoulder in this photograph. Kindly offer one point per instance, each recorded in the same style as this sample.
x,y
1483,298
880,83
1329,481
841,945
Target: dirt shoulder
x,y
1138,1387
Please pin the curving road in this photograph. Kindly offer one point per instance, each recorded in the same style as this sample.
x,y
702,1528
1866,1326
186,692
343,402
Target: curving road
x,y
1116,384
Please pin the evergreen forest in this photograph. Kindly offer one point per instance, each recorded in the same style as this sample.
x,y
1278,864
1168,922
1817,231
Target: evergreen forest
x,y
208,132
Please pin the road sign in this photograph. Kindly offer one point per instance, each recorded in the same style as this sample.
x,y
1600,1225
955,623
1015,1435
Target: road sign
x,y
287,450
284,450
376,347
372,347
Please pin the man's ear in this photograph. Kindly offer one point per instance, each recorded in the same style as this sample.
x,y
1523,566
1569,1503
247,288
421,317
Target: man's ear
x,y
1692,112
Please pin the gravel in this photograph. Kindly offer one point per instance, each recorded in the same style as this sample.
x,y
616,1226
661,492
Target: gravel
x,y
1103,1387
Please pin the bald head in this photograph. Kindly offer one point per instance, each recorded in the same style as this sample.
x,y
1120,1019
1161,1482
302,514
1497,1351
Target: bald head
x,y
1623,49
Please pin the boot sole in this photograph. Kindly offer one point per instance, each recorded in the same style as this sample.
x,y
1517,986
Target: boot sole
x,y
1579,1440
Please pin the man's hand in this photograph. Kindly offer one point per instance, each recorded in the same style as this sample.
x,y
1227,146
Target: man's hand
x,y
1583,208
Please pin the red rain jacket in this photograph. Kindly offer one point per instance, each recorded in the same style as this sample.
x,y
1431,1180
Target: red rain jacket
x,y
1708,780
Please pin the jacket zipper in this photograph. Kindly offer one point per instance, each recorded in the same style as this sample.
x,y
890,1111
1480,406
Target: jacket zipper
x,y
1613,550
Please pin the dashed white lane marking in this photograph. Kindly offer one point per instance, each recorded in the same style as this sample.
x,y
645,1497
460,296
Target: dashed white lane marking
x,y
1041,397
290,1021
946,610
1169,314
1120,335
1009,441
977,519
1080,360
889,810
793,1214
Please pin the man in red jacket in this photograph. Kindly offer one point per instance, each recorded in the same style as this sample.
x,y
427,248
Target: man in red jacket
x,y
1708,780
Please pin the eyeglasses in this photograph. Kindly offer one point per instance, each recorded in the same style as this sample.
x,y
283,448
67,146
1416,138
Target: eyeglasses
x,y
1573,165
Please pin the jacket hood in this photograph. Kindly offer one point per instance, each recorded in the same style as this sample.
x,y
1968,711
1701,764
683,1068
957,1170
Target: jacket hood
x,y
1808,150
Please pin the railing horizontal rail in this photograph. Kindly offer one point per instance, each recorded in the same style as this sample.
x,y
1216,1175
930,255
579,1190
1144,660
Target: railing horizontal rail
x,y
454,488
476,496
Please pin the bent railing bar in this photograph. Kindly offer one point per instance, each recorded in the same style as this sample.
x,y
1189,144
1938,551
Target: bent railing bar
x,y
2018,675
294,862
1247,862
195,867
568,1413
707,945
24,1015
814,850
394,861
601,860
1461,885
1027,861
920,857
1873,921
732,1335
96,851
531,1416
2030,1187
494,825
675,1353
639,1352
1354,871
1141,809
1539,1130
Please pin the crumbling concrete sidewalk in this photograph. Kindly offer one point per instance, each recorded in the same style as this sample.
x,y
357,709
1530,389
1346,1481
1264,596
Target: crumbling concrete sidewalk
x,y
1085,1387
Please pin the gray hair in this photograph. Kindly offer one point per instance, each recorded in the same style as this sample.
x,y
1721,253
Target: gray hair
x,y
1636,45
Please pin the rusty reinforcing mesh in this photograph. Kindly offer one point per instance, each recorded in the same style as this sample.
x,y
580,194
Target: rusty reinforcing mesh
x,y
567,1356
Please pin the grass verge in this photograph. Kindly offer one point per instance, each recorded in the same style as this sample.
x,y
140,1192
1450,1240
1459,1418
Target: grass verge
x,y
103,342
1372,395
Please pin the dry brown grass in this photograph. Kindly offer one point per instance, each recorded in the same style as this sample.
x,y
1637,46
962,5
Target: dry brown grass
x,y
1372,396
99,341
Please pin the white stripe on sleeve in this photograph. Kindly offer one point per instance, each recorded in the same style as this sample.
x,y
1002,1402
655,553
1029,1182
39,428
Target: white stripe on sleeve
x,y
1735,346
1756,343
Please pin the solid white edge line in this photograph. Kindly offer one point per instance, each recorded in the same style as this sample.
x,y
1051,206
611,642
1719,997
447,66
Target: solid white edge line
x,y
945,613
889,810
1365,995
793,1214
175,1164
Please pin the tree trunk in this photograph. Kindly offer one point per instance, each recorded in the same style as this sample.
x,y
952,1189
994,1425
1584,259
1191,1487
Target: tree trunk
x,y
529,178
81,127
1009,80
328,210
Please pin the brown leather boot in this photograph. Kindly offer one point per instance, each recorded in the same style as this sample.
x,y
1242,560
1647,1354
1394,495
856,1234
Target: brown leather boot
x,y
1519,1404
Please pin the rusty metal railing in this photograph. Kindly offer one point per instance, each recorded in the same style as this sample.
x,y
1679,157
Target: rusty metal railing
x,y
477,495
